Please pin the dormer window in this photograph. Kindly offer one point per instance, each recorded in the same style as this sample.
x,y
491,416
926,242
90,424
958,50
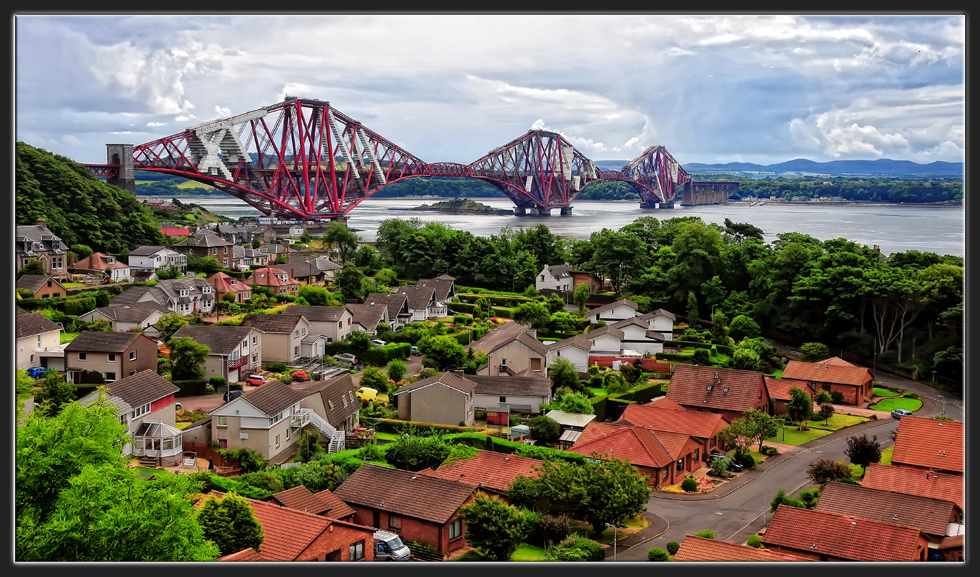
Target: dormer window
x,y
710,387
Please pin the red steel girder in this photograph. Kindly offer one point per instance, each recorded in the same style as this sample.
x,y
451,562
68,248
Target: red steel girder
x,y
655,175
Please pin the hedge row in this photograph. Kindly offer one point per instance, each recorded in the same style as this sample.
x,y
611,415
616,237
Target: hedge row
x,y
476,333
723,349
69,305
495,300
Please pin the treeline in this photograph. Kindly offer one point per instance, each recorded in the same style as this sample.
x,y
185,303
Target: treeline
x,y
906,308
888,190
77,207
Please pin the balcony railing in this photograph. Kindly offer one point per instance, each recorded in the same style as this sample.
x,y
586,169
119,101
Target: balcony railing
x,y
239,362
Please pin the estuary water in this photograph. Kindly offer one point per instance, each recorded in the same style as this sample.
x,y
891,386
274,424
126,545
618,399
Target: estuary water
x,y
894,228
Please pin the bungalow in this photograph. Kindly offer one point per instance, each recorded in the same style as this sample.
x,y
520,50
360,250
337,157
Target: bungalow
x,y
613,312
36,333
145,404
323,503
822,536
664,457
103,267
156,258
422,302
335,323
295,535
236,351
491,471
562,278
728,392
938,519
37,242
115,355
913,481
282,338
630,337
778,390
930,445
852,382
264,419
417,507
660,321
446,399
41,286
703,427
444,285
223,283
573,349
399,314
522,355
139,315
704,549
274,279
366,317
523,395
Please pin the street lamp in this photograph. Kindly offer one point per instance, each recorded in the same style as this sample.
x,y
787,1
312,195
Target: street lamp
x,y
942,399
614,528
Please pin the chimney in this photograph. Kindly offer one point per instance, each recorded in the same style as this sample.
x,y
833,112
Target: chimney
x,y
42,223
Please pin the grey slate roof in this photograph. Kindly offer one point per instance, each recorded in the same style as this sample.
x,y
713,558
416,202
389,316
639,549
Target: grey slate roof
x,y
132,313
367,315
223,339
273,397
397,303
103,342
142,388
527,340
145,250
443,285
30,324
507,385
598,311
272,323
315,313
419,297
449,379
333,392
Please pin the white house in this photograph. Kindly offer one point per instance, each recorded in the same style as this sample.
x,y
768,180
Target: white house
x,y
574,350
523,395
613,312
156,258
35,334
660,321
555,277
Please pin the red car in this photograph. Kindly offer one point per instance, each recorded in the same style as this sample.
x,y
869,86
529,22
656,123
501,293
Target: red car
x,y
257,380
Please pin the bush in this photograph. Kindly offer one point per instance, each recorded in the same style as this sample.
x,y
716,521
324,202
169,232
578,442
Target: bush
x,y
754,541
658,554
702,357
769,451
218,382
275,367
689,484
576,548
837,397
743,456
672,547
707,534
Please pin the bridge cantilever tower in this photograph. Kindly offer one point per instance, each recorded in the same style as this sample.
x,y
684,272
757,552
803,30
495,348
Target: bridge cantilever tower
x,y
655,175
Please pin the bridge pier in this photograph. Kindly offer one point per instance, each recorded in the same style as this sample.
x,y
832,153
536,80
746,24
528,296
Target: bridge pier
x,y
520,211
121,155
542,211
566,211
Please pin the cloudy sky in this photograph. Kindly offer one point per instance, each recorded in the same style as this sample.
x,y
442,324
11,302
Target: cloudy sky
x,y
450,88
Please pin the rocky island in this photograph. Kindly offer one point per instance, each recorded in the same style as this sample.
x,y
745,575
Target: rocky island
x,y
460,206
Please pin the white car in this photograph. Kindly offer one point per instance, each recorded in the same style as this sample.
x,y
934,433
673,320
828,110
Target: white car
x,y
345,358
379,342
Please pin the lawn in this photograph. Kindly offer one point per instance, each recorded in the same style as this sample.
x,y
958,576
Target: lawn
x,y
897,403
68,337
793,436
527,552
883,392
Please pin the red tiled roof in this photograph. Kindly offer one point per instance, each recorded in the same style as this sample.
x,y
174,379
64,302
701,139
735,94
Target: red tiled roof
x,y
689,387
638,445
222,283
404,493
664,403
97,261
694,423
928,515
336,509
300,498
836,361
779,388
826,373
930,443
266,277
912,481
694,548
488,469
841,536
176,231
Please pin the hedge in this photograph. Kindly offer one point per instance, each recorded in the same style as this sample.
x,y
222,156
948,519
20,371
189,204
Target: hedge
x,y
190,387
476,333
495,300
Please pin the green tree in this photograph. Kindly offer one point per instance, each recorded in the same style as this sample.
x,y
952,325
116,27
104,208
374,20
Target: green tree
x,y
23,389
493,527
315,295
230,523
581,295
825,412
309,446
168,325
564,374
396,369
823,471
812,352
692,310
863,451
348,281
187,358
206,264
386,277
374,378
414,452
342,239
544,429
442,351
32,267
745,359
742,327
55,393
800,405
573,403
82,251
533,314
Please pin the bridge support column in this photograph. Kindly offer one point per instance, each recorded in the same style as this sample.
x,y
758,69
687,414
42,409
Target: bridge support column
x,y
520,211
669,205
542,211
566,211
121,155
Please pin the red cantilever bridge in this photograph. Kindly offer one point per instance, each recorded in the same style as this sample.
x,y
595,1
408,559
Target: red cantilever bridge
x,y
303,159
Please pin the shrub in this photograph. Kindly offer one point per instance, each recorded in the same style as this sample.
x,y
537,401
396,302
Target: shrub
x,y
754,541
576,548
743,456
218,382
689,485
702,357
275,367
837,397
769,451
658,554
706,533
672,547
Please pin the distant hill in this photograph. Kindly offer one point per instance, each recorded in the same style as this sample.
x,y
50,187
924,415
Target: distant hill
x,y
802,166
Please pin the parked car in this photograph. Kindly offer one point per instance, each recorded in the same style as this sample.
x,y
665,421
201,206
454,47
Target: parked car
x,y
367,394
36,372
899,413
257,380
733,466
345,358
415,350
378,342
228,396
388,546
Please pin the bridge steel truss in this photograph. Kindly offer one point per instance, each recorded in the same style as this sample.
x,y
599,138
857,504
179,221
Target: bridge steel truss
x,y
303,159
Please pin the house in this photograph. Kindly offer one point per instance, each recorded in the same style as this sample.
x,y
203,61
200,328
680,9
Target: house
x,y
310,269
821,536
523,395
115,355
334,400
265,419
256,258
399,314
660,321
914,481
295,535
283,336
156,258
139,315
234,233
778,390
666,458
561,277
704,549
930,445
223,283
102,268
446,399
937,519
205,243
236,351
571,424
703,427
613,312
238,259
323,503
274,279
35,333
492,472
729,392
853,382
145,404
41,286
523,355
573,349
417,507
422,302
183,296
366,317
444,285
335,323
36,242
630,338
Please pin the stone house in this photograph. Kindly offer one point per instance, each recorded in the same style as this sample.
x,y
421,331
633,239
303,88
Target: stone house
x,y
116,355
37,242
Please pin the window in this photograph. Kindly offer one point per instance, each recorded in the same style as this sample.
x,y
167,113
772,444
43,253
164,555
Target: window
x,y
132,372
82,356
287,434
111,357
141,410
296,333
110,376
357,551
38,341
255,339
697,452
503,399
680,465
222,421
32,359
296,351
455,529
394,522
277,441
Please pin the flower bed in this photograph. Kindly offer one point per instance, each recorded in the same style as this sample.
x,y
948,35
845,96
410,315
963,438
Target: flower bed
x,y
705,485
